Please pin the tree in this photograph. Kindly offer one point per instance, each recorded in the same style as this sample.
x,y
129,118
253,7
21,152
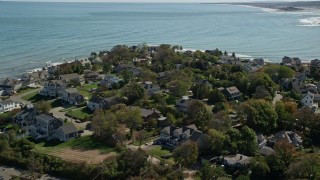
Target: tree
x,y
141,136
209,172
200,91
131,162
216,96
248,144
134,92
178,87
131,116
104,125
43,106
260,115
285,111
198,114
243,141
217,141
186,154
277,72
285,151
259,167
263,80
306,167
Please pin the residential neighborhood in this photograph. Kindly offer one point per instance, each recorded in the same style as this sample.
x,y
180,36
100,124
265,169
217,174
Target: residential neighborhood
x,y
122,112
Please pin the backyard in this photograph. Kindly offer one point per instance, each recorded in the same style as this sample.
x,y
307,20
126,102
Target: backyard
x,y
161,153
80,113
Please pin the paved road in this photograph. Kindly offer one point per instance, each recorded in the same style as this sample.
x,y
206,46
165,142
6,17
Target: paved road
x,y
18,98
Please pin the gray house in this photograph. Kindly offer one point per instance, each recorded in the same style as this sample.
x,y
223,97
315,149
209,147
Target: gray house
x,y
45,127
66,132
174,136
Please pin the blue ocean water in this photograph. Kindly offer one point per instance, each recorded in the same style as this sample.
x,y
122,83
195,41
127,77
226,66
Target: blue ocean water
x,y
34,33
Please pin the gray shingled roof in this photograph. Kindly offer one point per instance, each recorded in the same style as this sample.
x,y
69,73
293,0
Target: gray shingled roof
x,y
68,128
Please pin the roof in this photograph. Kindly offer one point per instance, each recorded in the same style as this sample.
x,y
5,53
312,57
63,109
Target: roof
x,y
68,77
45,117
68,128
7,101
72,90
232,90
148,112
308,94
237,159
266,151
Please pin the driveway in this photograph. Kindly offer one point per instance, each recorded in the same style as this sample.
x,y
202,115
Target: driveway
x,y
57,112
18,98
278,97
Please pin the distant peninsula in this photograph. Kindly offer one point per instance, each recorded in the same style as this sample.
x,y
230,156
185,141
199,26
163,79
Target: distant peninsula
x,y
282,6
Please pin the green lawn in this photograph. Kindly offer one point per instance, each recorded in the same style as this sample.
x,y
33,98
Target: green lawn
x,y
33,97
159,151
82,143
88,87
80,113
25,91
85,93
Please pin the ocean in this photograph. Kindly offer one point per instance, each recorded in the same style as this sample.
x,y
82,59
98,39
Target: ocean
x,y
32,34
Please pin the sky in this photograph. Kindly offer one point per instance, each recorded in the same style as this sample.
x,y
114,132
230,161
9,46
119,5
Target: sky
x,y
150,1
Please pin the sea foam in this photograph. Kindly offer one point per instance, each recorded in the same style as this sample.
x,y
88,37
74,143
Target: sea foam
x,y
312,21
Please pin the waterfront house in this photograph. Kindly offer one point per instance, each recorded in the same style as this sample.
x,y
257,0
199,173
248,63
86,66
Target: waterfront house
x,y
74,77
8,105
151,88
66,132
291,62
174,136
51,88
315,63
9,86
258,62
34,77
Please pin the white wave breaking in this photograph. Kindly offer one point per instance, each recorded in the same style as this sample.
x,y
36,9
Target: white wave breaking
x,y
312,21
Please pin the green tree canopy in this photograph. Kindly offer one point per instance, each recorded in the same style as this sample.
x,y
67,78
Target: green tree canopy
x,y
134,92
260,115
186,154
43,106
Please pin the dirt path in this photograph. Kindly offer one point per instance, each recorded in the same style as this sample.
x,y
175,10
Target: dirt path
x,y
90,156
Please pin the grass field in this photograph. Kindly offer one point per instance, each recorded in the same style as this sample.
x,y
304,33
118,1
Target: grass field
x,y
82,143
80,113
25,91
33,97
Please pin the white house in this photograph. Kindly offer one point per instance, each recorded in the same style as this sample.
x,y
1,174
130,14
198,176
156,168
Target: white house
x,y
8,105
307,100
